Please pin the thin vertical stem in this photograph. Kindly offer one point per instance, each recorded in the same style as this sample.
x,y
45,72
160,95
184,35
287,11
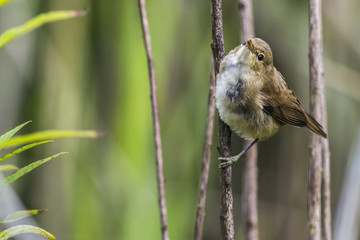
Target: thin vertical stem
x,y
156,122
249,195
200,213
246,19
319,214
325,192
226,206
250,183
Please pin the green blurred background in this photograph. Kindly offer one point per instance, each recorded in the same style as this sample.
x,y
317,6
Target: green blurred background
x,y
91,73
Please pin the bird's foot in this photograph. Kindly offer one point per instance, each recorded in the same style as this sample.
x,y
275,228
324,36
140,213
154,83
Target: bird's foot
x,y
227,161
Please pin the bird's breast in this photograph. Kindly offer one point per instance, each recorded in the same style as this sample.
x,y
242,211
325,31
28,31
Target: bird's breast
x,y
239,102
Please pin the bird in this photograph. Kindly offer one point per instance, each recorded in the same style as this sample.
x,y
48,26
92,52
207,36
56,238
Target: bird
x,y
254,100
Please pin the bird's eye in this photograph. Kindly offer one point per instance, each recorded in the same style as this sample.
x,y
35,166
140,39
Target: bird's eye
x,y
260,57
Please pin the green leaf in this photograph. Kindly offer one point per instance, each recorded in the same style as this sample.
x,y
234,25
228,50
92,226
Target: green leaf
x,y
5,137
15,216
2,2
26,147
45,135
8,167
20,229
25,170
37,22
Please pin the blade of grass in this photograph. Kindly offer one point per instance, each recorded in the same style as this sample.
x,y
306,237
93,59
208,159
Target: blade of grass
x,y
6,136
37,22
8,167
15,216
45,135
20,229
25,170
26,147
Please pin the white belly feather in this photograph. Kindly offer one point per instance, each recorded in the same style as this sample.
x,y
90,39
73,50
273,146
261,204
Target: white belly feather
x,y
243,112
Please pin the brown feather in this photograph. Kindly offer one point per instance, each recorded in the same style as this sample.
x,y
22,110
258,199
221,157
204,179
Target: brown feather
x,y
282,104
315,127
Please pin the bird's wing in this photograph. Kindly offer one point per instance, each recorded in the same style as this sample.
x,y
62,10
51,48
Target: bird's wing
x,y
281,103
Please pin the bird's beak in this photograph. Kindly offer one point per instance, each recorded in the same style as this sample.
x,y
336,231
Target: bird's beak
x,y
251,46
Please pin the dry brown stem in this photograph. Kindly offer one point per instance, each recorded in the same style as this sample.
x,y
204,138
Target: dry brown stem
x,y
200,214
156,122
226,206
319,214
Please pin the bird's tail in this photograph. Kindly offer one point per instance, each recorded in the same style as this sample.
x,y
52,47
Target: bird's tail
x,y
315,127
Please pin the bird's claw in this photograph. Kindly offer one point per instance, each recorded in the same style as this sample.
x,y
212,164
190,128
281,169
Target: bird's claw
x,y
226,161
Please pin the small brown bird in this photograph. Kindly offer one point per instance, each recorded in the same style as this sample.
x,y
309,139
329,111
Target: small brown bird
x,y
253,98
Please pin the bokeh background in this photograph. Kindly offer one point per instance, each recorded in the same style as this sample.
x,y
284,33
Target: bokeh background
x,y
91,73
